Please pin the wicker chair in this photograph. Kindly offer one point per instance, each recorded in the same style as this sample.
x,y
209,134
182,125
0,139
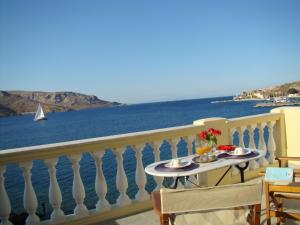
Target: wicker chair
x,y
282,200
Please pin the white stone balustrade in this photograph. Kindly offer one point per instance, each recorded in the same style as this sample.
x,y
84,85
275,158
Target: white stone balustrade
x,y
96,147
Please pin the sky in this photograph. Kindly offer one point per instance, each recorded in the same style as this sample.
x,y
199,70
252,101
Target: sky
x,y
148,50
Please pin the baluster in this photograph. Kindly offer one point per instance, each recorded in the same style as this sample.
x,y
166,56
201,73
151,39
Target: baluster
x,y
29,197
100,183
122,183
271,141
78,191
241,130
232,131
55,197
251,129
140,176
262,145
231,135
253,164
156,147
4,200
173,142
189,141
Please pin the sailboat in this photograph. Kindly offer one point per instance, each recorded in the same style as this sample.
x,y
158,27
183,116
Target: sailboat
x,y
39,115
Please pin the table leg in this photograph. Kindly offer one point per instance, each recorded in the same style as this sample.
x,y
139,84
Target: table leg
x,y
242,169
175,183
223,176
187,179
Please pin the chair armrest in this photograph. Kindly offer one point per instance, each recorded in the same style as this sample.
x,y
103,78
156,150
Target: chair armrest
x,y
280,159
164,218
156,202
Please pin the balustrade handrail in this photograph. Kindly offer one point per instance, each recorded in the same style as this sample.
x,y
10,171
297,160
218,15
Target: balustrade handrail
x,y
255,119
46,151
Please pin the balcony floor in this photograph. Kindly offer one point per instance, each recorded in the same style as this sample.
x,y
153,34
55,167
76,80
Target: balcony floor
x,y
151,218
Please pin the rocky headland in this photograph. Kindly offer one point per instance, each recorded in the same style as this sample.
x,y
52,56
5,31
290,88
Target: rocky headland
x,y
23,102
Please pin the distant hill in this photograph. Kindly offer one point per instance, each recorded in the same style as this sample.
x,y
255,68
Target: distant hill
x,y
22,102
275,91
284,89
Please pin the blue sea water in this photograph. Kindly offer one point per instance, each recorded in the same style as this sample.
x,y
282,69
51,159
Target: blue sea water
x,y
21,131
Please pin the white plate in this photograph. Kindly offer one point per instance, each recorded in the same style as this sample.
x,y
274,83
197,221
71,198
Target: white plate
x,y
247,151
181,165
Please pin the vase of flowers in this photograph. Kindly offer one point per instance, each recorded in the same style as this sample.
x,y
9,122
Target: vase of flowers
x,y
209,140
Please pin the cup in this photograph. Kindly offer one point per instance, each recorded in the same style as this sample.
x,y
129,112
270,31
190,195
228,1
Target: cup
x,y
175,162
239,151
202,149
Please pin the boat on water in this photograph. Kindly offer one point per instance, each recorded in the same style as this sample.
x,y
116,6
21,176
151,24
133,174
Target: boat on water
x,y
39,115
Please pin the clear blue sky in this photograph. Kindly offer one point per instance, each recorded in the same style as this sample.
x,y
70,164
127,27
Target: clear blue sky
x,y
148,50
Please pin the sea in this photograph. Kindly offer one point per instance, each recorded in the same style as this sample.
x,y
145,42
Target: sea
x,y
21,131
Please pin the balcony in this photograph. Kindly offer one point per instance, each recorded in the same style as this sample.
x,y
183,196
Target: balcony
x,y
275,133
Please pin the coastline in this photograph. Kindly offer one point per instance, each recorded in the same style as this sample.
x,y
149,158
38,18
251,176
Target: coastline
x,y
274,104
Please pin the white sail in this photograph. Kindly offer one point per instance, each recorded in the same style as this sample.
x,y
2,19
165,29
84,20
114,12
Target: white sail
x,y
39,115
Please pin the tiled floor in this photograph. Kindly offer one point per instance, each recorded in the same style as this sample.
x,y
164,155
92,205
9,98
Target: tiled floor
x,y
144,218
150,218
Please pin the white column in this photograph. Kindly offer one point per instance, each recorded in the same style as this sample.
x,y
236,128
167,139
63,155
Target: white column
x,y
29,197
173,142
140,176
271,141
231,135
100,183
262,145
241,130
78,191
156,147
122,183
235,171
253,164
189,141
55,197
251,129
4,200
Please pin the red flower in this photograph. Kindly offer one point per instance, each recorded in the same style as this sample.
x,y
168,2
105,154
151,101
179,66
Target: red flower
x,y
214,132
210,135
203,135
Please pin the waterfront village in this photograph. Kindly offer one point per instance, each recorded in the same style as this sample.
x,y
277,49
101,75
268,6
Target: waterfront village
x,y
284,95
